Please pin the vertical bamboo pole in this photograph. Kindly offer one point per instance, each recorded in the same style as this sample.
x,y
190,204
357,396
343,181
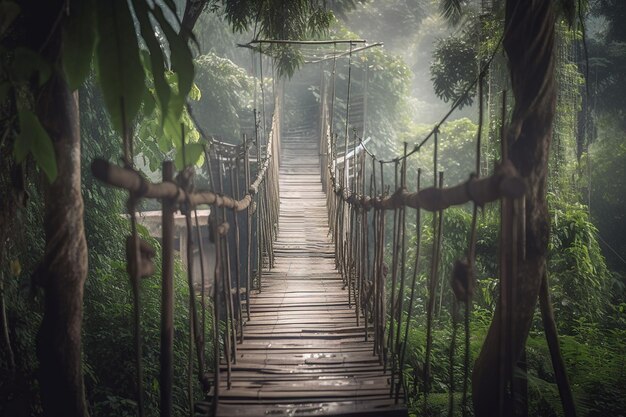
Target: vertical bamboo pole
x,y
167,297
235,177
249,233
216,318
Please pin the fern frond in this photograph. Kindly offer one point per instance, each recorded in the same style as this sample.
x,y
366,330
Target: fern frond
x,y
451,10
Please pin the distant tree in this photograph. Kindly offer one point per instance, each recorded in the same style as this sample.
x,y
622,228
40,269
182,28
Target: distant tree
x,y
607,59
226,93
453,68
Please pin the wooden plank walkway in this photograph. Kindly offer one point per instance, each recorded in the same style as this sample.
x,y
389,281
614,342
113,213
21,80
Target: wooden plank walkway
x,y
303,353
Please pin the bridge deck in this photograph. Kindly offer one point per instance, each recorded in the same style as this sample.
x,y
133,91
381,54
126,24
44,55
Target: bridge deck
x,y
303,353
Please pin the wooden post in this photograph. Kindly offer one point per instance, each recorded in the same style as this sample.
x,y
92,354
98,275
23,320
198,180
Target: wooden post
x,y
249,235
167,297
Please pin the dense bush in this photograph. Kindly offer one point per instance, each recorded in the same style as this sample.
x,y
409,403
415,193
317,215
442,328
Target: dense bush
x,y
593,331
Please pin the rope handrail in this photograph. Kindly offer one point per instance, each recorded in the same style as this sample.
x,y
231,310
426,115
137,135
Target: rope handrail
x,y
229,150
131,180
505,182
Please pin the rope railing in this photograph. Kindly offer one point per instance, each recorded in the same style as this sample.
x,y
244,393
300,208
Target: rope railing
x,y
359,223
232,282
376,281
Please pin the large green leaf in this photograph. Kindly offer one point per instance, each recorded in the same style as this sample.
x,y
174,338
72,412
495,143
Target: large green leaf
x,y
33,138
157,60
171,124
79,37
149,104
27,63
119,68
182,60
193,152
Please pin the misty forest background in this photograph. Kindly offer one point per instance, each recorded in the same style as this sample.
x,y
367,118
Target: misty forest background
x,y
427,60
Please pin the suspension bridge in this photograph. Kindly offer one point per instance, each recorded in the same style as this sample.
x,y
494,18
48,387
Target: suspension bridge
x,y
303,351
306,308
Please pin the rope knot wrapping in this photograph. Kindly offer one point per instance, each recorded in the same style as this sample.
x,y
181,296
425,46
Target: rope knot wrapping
x,y
184,180
135,195
468,189
365,202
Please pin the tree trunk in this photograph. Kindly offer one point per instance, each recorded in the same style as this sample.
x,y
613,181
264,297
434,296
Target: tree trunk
x,y
529,44
64,268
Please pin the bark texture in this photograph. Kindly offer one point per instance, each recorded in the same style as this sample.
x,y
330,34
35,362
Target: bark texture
x,y
64,269
529,44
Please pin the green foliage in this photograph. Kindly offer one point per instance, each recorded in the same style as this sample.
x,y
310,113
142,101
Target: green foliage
x,y
156,57
22,68
226,96
605,166
79,37
386,93
28,65
276,19
297,19
594,353
108,334
119,68
159,137
121,72
453,68
455,240
108,347
607,60
19,390
456,151
9,11
452,10
106,30
563,150
577,270
387,97
34,139
393,22
108,338
287,59
595,364
216,36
